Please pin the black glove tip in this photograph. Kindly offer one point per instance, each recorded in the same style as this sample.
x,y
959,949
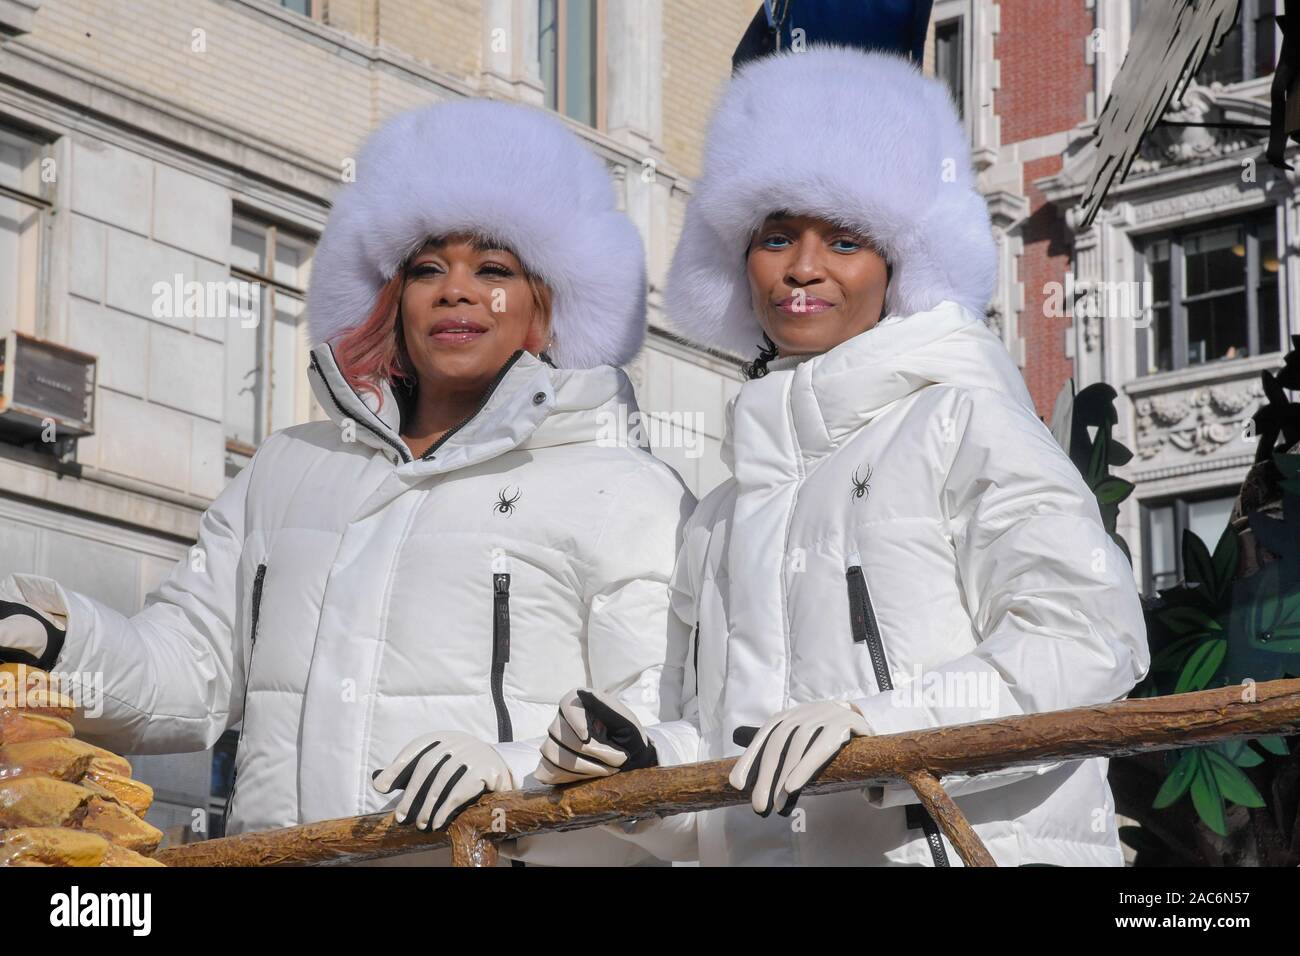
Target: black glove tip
x,y
744,736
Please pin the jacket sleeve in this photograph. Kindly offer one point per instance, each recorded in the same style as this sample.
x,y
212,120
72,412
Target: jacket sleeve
x,y
676,741
162,680
1052,598
636,646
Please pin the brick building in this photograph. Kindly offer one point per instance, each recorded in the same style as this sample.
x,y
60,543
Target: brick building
x,y
1179,294
146,145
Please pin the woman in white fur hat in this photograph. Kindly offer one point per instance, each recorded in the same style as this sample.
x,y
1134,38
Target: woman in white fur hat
x,y
404,591
902,544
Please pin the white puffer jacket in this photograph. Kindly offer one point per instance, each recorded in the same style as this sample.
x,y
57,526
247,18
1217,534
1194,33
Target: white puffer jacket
x,y
900,516
343,598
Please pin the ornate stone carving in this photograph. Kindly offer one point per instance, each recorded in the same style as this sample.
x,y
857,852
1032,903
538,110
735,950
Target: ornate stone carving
x,y
618,173
1171,145
1091,332
1232,399
1197,421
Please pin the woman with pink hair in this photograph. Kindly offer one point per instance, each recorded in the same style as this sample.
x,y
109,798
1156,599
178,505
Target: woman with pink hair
x,y
392,600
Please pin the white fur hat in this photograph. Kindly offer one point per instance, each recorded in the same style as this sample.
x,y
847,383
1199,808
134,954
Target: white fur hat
x,y
859,138
514,173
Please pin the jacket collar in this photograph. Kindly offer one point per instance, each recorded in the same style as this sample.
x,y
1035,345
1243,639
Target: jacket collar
x,y
528,405
811,404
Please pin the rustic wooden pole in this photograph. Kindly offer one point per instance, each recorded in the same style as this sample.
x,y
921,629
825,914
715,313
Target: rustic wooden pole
x,y
1131,726
470,847
951,820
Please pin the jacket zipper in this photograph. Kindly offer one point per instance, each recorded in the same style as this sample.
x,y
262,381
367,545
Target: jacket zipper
x,y
258,579
501,653
397,446
862,619
500,641
918,816
865,628
695,658
492,387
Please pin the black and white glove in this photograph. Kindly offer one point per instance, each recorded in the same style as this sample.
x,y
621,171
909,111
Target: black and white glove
x,y
791,749
593,735
442,774
28,636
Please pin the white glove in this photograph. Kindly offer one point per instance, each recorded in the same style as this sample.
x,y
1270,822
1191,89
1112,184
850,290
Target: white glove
x,y
30,635
442,774
593,735
791,749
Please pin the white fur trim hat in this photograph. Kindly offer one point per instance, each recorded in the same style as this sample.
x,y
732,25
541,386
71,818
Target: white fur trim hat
x,y
859,138
514,173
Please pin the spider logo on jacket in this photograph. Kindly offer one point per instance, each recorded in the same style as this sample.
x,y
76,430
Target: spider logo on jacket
x,y
504,505
861,485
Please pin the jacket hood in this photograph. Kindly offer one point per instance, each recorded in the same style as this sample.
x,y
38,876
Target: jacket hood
x,y
531,405
834,393
863,139
512,173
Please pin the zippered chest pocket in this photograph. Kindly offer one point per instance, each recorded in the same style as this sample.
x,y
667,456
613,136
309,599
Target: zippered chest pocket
x,y
863,624
866,630
500,653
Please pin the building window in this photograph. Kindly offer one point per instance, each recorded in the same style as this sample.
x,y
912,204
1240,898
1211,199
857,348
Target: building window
x,y
267,342
306,8
949,62
1213,294
1163,524
571,48
1249,49
24,203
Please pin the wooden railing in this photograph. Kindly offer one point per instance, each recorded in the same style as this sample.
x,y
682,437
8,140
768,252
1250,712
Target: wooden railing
x,y
919,758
